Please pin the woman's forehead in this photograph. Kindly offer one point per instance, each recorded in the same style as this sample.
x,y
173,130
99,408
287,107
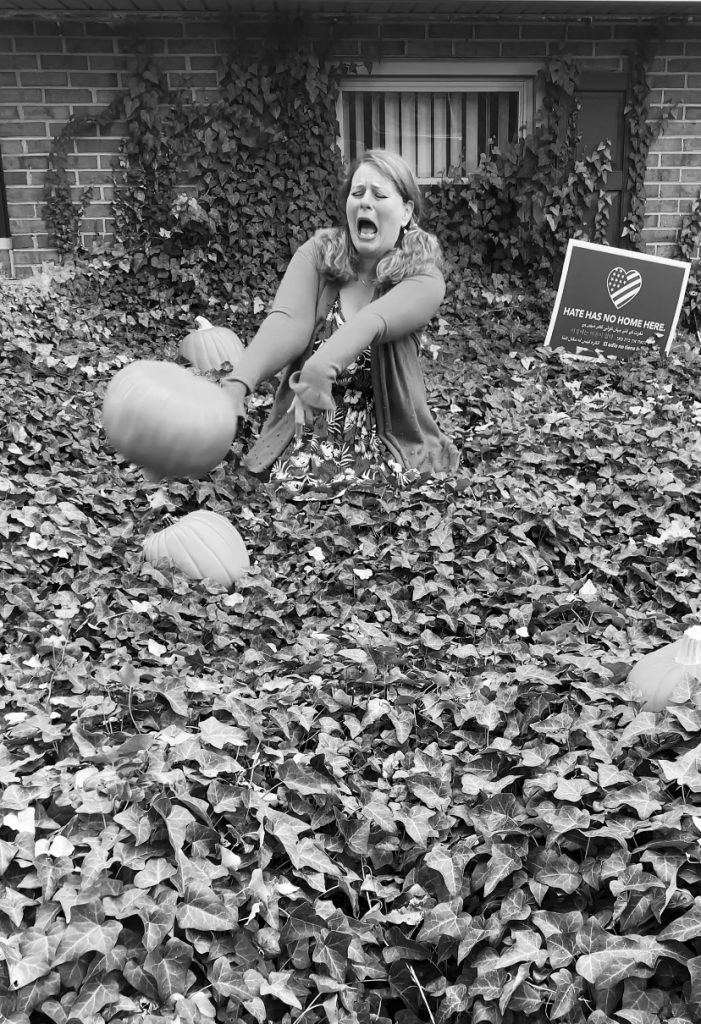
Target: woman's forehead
x,y
367,174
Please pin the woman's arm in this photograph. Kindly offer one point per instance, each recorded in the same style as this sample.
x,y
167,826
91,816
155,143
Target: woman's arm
x,y
286,330
405,308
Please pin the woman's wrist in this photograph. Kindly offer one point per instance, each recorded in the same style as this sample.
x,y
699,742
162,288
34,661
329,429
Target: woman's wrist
x,y
239,386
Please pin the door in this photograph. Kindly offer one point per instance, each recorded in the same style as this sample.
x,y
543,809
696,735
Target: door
x,y
601,116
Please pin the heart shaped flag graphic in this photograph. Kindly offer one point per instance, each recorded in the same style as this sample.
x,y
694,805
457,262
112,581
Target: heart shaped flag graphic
x,y
623,285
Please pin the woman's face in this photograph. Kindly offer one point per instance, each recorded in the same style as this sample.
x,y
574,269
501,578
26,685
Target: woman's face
x,y
376,213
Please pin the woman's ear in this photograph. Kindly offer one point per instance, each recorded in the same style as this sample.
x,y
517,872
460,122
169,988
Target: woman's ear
x,y
408,213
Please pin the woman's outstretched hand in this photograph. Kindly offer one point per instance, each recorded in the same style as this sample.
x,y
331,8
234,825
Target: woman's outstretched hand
x,y
303,413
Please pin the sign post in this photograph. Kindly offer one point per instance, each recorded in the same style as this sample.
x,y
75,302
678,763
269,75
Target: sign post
x,y
616,303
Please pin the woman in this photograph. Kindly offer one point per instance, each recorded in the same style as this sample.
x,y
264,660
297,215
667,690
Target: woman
x,y
345,326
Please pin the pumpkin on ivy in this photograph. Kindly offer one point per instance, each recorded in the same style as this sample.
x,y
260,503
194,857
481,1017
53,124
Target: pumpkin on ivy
x,y
167,420
203,545
210,346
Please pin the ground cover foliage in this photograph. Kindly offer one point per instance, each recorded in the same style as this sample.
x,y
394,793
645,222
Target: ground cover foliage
x,y
397,774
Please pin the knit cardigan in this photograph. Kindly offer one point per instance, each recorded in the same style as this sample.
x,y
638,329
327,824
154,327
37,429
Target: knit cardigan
x,y
390,325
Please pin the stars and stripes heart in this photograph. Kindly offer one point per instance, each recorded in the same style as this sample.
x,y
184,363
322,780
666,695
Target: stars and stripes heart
x,y
623,285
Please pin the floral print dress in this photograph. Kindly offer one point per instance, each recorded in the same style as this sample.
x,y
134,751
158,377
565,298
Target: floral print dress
x,y
342,448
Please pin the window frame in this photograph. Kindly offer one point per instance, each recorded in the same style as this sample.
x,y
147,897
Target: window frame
x,y
432,75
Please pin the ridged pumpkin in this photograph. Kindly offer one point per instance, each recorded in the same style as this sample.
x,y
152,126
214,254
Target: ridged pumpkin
x,y
204,545
167,420
660,673
209,347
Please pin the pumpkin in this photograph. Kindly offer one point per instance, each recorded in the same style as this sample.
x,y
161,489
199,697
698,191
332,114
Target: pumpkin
x,y
659,674
204,545
209,347
167,420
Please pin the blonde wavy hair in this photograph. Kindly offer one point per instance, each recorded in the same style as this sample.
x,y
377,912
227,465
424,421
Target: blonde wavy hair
x,y
416,249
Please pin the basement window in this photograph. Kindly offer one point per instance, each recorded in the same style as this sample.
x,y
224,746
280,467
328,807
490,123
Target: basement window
x,y
441,123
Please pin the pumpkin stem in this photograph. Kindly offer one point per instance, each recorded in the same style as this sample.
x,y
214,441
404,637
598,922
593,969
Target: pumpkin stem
x,y
203,323
690,649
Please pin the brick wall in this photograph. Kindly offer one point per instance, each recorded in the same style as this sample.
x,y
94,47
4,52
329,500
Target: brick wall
x,y
50,69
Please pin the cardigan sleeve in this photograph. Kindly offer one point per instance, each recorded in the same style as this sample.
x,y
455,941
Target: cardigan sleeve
x,y
286,330
404,309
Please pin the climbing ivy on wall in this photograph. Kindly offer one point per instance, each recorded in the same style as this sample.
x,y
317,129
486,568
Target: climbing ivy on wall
x,y
516,214
641,131
211,199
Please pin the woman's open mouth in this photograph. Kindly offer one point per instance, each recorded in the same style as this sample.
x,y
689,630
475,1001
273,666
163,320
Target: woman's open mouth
x,y
366,228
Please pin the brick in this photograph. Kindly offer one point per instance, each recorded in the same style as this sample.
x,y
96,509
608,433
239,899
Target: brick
x,y
662,205
668,251
678,190
31,194
24,218
94,80
588,33
376,50
183,63
433,48
20,63
90,46
199,80
21,27
669,82
451,30
669,220
682,160
37,145
9,113
76,97
468,50
85,178
187,47
661,174
85,162
53,113
522,49
498,30
690,64
14,179
667,144
682,96
408,30
64,62
96,144
160,30
43,79
546,34
691,174
30,44
20,129
657,235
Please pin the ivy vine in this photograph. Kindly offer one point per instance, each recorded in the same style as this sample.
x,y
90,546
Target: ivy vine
x,y
63,214
641,132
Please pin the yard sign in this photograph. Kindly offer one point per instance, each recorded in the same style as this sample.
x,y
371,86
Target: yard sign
x,y
616,303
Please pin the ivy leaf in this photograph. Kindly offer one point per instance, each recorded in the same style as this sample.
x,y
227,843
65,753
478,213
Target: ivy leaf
x,y
83,937
278,985
449,867
169,968
628,959
200,910
685,927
